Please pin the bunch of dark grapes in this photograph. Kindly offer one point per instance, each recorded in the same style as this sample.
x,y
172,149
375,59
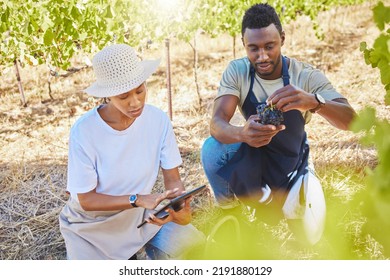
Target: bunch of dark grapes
x,y
268,114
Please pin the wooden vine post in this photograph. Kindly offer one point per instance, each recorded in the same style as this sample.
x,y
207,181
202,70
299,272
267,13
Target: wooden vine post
x,y
168,73
196,63
20,86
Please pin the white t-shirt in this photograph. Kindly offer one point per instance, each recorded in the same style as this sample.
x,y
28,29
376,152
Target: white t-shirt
x,y
120,162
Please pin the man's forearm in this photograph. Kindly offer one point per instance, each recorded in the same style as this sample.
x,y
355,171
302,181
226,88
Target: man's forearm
x,y
338,114
225,132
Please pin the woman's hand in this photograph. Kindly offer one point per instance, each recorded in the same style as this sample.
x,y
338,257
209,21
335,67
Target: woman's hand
x,y
174,187
93,201
151,201
181,217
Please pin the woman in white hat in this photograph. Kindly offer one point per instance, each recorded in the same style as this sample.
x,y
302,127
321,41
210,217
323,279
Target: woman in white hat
x,y
115,153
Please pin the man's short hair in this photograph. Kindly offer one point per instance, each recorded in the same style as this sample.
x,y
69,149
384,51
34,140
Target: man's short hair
x,y
260,16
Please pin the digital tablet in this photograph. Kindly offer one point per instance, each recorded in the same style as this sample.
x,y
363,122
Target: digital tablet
x,y
176,204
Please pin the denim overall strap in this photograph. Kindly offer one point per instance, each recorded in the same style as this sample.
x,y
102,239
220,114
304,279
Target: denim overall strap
x,y
277,164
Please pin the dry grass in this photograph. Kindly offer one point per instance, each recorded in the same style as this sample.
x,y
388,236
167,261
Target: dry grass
x,y
33,140
31,202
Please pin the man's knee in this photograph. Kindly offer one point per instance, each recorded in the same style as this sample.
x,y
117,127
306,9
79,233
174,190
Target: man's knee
x,y
209,148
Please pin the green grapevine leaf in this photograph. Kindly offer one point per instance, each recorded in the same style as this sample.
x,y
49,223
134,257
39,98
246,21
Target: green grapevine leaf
x,y
109,12
365,121
75,13
48,37
381,15
377,132
363,46
387,96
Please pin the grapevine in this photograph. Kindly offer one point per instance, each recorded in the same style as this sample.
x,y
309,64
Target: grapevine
x,y
376,132
54,31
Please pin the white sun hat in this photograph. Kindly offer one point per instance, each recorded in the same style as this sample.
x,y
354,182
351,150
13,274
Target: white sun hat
x,y
118,70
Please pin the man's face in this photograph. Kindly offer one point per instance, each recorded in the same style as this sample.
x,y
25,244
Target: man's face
x,y
263,48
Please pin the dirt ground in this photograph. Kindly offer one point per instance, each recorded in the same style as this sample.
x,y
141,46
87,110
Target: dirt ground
x,y
33,139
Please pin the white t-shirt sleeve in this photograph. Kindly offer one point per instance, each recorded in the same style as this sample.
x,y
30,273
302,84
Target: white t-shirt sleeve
x,y
82,176
170,154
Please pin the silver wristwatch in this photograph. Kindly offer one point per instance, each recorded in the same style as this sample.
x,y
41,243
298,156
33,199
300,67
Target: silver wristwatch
x,y
321,103
133,199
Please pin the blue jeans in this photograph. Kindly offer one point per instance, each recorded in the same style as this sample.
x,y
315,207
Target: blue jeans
x,y
214,155
173,241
